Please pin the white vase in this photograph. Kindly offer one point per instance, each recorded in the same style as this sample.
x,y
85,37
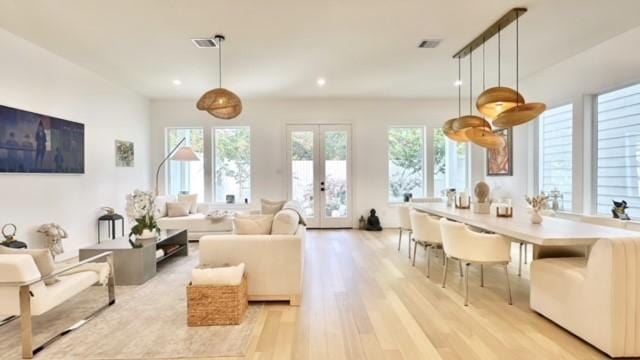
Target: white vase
x,y
536,218
146,234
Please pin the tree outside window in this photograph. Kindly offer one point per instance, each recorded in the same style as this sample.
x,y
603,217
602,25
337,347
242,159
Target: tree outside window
x,y
406,162
232,164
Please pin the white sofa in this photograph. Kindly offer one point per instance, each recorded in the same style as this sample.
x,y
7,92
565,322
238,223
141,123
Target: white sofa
x,y
596,299
274,263
197,224
23,292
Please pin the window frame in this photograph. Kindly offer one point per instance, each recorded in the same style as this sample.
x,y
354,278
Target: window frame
x,y
239,202
167,168
425,144
538,158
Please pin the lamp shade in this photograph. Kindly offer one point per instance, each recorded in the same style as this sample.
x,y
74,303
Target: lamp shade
x,y
495,100
185,153
519,115
470,121
220,103
485,138
448,131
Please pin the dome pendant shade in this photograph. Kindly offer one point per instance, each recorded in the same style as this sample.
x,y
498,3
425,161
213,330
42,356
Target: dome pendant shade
x,y
519,115
485,138
448,131
220,103
470,121
495,100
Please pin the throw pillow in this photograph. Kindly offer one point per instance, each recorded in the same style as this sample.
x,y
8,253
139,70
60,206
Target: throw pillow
x,y
42,258
192,200
161,205
285,222
175,209
252,225
270,207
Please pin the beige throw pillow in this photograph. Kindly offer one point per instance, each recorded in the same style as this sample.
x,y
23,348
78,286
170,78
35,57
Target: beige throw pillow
x,y
252,225
285,222
270,207
192,200
175,209
42,258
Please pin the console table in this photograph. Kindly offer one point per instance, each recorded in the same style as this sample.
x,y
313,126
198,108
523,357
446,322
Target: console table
x,y
134,266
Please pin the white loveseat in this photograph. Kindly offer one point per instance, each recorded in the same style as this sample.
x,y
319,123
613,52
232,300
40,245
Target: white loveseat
x,y
596,299
274,263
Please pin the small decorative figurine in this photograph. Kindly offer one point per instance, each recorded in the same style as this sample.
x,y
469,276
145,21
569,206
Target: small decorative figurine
x,y
373,222
407,197
362,223
54,233
481,204
618,210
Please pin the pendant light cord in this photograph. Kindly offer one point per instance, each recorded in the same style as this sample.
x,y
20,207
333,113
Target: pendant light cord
x,y
484,85
220,63
499,29
459,87
517,58
470,80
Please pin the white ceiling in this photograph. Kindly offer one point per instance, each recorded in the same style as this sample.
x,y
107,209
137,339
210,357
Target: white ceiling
x,y
278,48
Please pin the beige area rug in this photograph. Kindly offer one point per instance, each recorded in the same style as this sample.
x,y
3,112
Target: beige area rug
x,y
147,321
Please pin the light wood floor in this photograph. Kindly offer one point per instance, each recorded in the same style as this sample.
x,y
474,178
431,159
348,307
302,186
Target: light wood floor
x,y
363,300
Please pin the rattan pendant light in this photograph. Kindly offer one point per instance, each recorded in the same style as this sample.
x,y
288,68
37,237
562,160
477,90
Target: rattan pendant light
x,y
495,100
447,128
521,113
220,102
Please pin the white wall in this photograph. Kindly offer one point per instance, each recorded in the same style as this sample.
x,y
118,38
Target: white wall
x,y
36,80
370,119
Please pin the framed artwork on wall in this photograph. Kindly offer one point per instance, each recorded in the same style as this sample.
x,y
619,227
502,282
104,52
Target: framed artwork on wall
x,y
500,161
36,143
124,153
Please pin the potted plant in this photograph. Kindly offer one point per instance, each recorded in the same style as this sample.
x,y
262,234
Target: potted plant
x,y
141,212
537,203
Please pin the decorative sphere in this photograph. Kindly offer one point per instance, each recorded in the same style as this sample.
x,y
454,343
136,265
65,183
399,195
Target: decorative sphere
x,y
481,191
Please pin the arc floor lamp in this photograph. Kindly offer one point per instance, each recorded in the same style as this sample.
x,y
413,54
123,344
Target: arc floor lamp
x,y
178,153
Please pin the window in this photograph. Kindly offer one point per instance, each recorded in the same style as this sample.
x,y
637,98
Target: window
x,y
406,162
186,177
555,154
232,165
450,164
618,136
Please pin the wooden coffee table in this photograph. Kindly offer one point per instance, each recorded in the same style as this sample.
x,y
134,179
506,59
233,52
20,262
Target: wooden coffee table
x,y
134,266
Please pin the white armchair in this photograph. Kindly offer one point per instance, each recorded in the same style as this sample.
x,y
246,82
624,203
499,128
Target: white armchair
x,y
596,299
23,292
404,219
474,248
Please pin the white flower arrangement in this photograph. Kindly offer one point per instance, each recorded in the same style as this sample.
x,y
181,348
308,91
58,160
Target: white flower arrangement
x,y
141,211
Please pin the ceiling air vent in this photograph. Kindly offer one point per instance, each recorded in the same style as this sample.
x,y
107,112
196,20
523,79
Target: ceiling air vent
x,y
429,44
207,43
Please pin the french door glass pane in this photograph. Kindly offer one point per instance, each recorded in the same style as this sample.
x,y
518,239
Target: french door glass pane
x,y
335,162
302,170
232,164
186,177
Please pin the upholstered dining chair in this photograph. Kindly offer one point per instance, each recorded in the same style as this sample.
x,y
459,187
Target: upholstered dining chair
x,y
404,219
426,232
474,248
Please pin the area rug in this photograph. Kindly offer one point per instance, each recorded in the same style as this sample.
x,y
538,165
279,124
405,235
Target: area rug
x,y
147,321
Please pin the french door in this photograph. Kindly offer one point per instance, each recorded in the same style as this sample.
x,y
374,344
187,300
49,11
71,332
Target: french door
x,y
319,173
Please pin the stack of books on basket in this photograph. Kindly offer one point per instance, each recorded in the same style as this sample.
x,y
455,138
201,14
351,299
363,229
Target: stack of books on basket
x,y
217,296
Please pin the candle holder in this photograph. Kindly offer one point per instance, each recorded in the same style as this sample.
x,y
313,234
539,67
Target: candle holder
x,y
507,213
459,205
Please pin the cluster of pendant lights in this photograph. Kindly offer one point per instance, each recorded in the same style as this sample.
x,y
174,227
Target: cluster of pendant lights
x,y
502,106
220,102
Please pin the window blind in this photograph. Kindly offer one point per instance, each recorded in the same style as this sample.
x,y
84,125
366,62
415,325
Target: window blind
x,y
555,153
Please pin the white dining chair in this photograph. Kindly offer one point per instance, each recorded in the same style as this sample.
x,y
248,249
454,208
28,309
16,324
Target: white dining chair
x,y
426,232
404,219
470,247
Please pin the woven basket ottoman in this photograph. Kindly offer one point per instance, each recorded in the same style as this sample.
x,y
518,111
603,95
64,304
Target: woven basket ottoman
x,y
216,305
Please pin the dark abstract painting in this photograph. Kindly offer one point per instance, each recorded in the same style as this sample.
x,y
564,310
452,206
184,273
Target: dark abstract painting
x,y
36,143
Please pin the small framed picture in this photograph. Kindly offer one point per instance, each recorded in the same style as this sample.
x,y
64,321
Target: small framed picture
x,y
500,160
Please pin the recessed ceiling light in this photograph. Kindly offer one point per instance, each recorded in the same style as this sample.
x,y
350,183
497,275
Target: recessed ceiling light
x,y
177,82
321,81
457,83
